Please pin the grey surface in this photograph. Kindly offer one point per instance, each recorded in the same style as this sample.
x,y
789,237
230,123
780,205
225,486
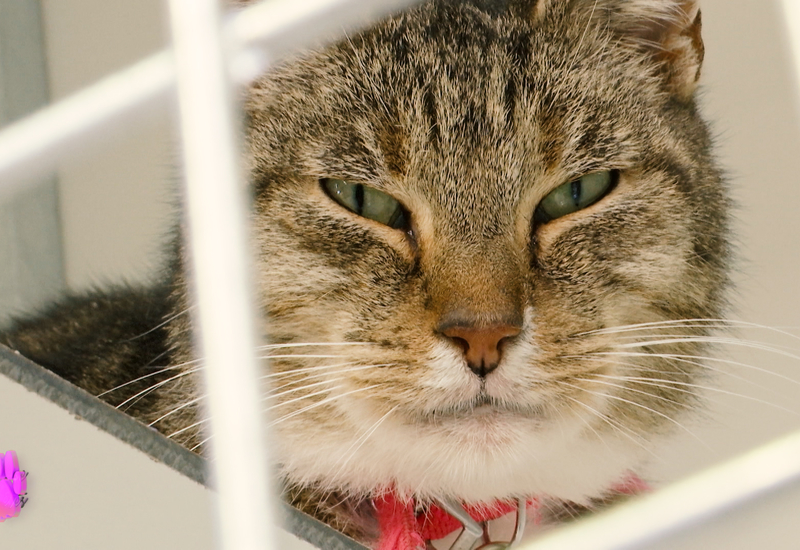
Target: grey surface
x,y
150,442
98,413
90,491
32,267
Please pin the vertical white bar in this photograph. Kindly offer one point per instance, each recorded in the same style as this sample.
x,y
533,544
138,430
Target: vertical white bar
x,y
216,214
791,9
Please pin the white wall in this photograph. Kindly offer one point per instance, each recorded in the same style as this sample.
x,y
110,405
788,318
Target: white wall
x,y
116,200
750,99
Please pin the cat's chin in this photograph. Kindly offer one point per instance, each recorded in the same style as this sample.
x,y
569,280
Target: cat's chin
x,y
485,456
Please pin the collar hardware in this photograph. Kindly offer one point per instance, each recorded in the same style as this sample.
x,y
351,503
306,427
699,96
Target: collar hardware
x,y
473,534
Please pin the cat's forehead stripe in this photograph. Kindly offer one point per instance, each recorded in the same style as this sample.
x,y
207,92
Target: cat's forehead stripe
x,y
466,109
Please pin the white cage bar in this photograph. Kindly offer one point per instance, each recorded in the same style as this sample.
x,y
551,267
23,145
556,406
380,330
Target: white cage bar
x,y
221,283
247,43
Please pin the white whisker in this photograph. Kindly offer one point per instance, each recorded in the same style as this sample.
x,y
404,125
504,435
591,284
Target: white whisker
x,y
155,373
638,405
343,370
679,359
319,404
669,384
189,427
303,370
299,356
680,338
358,443
302,397
709,340
293,390
627,432
326,371
695,360
156,386
161,324
310,344
689,323
642,392
176,409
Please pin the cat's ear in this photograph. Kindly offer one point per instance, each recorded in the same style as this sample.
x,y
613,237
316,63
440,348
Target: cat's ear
x,y
668,30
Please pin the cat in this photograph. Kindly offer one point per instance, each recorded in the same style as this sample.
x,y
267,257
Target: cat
x,y
472,226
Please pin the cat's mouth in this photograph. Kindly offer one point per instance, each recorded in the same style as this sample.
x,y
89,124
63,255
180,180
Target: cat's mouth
x,y
482,405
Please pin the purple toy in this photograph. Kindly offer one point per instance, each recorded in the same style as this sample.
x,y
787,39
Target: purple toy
x,y
13,486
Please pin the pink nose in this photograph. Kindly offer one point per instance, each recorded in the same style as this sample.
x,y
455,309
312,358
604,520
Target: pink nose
x,y
482,345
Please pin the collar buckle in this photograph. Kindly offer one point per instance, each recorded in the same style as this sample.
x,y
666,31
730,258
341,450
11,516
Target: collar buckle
x,y
472,536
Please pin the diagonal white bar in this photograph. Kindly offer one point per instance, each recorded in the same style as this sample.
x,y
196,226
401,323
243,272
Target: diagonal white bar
x,y
224,316
36,143
683,504
308,22
283,27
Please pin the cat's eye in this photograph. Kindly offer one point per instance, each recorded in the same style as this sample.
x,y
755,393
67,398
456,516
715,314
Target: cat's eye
x,y
575,195
368,202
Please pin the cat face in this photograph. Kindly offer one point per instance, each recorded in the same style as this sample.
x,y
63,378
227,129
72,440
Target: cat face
x,y
457,216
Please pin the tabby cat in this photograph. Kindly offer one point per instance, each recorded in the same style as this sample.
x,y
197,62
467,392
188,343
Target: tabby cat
x,y
470,222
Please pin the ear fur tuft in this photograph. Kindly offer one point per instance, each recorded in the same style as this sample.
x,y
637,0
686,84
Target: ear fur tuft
x,y
670,30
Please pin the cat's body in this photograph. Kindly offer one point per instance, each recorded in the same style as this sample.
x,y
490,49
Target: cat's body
x,y
466,344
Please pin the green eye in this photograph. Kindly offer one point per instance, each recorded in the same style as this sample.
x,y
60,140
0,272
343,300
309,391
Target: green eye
x,y
368,202
575,195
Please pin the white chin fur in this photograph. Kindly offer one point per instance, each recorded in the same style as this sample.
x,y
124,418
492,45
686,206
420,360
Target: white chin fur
x,y
482,461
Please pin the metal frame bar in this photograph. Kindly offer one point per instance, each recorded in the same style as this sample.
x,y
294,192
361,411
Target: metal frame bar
x,y
258,35
223,319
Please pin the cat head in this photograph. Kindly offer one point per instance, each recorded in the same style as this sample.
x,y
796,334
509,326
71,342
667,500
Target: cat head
x,y
470,222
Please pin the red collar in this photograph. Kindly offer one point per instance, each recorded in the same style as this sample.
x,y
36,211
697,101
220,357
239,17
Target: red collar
x,y
403,528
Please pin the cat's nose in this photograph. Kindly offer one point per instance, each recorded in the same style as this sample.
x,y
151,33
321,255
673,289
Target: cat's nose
x,y
482,345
